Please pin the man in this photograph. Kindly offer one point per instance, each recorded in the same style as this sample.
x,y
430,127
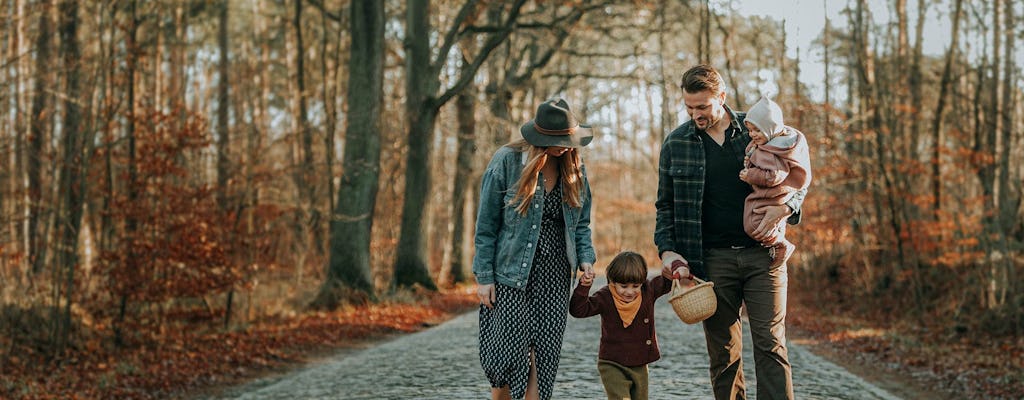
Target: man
x,y
700,223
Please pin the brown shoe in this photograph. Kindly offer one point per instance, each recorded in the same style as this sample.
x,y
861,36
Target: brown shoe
x,y
781,253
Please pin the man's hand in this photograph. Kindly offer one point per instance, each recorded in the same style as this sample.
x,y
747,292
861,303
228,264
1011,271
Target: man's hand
x,y
767,231
485,293
670,262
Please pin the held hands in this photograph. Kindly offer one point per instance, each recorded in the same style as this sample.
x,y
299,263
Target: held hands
x,y
485,293
587,278
674,266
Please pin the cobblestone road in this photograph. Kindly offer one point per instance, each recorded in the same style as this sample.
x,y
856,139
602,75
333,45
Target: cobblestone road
x,y
442,363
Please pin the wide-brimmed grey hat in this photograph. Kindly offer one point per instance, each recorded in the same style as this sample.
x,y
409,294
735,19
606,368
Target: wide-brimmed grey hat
x,y
556,126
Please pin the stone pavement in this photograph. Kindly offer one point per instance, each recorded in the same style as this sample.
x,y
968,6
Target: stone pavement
x,y
443,363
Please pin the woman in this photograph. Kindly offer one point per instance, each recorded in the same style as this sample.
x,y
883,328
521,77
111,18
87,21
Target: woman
x,y
532,233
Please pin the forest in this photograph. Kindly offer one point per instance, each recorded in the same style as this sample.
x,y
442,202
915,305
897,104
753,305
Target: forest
x,y
204,166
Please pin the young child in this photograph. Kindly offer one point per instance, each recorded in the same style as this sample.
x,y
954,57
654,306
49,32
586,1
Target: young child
x,y
777,164
626,306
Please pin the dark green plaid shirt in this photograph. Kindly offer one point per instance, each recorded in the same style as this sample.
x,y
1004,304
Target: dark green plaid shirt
x,y
681,190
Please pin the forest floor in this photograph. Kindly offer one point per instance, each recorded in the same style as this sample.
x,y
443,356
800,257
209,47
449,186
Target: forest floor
x,y
909,359
189,363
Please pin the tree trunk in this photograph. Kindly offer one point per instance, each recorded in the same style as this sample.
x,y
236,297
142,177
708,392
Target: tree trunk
x,y
1011,185
329,94
72,173
1011,193
466,109
826,41
704,36
422,108
915,80
41,120
901,83
223,106
666,121
870,98
349,267
306,215
938,124
223,131
987,142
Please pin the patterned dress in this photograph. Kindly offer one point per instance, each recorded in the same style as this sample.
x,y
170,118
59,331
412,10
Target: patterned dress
x,y
531,318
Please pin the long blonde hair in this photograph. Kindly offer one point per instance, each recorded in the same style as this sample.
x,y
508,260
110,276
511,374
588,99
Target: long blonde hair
x,y
570,169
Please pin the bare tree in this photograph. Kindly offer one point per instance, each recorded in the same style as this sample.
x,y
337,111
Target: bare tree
x,y
423,103
223,105
39,124
73,169
938,123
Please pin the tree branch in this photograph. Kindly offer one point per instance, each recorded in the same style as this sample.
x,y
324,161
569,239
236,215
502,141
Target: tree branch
x,y
319,4
450,37
493,42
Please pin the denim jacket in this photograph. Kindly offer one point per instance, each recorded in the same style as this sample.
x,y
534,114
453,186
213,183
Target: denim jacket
x,y
505,240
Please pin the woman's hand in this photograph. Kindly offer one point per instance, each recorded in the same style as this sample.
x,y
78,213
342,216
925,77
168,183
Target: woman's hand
x,y
485,293
587,278
587,268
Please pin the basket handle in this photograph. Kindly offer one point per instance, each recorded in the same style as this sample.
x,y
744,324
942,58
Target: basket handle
x,y
678,286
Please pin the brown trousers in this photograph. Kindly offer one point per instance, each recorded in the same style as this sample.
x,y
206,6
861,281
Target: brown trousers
x,y
743,276
622,382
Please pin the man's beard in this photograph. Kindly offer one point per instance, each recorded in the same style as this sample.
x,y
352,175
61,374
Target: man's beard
x,y
710,122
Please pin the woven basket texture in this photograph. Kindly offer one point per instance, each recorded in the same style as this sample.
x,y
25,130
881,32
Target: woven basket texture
x,y
694,304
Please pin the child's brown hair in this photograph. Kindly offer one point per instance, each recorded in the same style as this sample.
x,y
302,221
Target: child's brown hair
x,y
627,267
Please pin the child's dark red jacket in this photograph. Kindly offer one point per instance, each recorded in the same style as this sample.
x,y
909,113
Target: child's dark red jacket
x,y
632,346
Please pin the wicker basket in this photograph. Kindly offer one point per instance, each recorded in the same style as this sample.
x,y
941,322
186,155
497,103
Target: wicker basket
x,y
694,304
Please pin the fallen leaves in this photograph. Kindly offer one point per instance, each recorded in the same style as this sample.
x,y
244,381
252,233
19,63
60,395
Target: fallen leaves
x,y
186,360
965,367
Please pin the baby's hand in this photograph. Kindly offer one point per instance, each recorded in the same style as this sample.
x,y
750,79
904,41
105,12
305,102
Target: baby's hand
x,y
587,279
743,174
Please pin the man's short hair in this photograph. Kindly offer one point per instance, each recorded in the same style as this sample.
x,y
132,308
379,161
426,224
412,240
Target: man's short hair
x,y
702,77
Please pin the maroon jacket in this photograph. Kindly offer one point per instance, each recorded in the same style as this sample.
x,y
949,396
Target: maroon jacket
x,y
632,346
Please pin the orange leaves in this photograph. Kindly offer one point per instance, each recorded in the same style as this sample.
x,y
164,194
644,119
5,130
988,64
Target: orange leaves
x,y
184,360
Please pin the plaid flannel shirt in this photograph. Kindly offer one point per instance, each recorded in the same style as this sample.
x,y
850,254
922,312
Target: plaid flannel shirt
x,y
681,190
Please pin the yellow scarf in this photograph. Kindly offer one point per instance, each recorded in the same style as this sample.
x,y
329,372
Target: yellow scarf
x,y
627,310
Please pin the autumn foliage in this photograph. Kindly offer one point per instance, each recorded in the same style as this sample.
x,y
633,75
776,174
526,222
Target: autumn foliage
x,y
190,358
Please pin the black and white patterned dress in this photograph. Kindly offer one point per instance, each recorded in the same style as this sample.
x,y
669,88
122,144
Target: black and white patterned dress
x,y
531,318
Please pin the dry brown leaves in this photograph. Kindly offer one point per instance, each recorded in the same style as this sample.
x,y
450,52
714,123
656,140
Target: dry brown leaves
x,y
190,360
958,364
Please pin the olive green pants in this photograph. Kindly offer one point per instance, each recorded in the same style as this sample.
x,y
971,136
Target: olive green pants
x,y
621,382
744,276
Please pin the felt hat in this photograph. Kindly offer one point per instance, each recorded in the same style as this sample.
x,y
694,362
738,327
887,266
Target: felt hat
x,y
554,125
